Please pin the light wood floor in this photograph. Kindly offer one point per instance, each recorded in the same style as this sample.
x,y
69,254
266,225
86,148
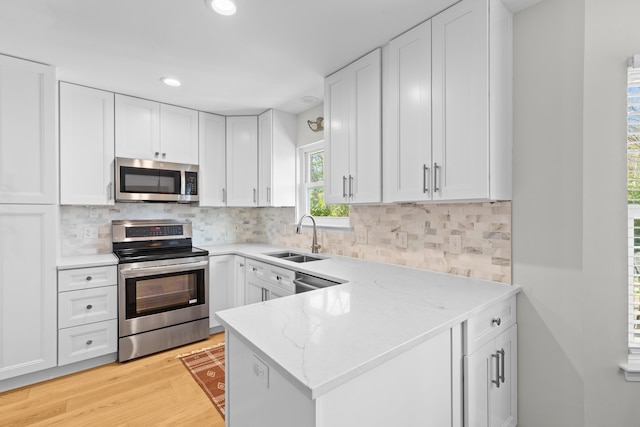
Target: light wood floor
x,y
156,390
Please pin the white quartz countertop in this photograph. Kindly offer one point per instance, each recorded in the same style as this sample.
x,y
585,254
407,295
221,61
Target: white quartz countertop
x,y
319,340
83,261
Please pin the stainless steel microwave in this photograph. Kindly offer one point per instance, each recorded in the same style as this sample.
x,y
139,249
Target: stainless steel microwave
x,y
155,181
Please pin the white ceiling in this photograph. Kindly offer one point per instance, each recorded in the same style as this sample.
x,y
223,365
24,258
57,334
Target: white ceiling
x,y
268,55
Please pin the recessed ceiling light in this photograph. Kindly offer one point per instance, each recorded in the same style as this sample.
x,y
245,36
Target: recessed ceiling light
x,y
170,81
223,7
308,99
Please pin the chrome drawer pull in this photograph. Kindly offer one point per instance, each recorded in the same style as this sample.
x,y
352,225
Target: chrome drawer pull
x,y
89,307
497,321
89,278
89,342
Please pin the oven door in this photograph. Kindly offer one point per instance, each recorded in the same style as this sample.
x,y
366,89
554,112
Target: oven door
x,y
157,294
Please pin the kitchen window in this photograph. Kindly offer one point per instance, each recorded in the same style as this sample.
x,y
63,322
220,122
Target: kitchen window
x,y
632,369
311,189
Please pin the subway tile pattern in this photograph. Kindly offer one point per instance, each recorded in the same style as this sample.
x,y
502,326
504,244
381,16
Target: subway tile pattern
x,y
432,230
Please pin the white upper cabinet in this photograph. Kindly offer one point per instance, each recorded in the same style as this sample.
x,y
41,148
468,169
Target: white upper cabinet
x,y
179,134
277,159
352,110
28,153
242,161
212,168
86,145
407,116
471,90
447,116
153,131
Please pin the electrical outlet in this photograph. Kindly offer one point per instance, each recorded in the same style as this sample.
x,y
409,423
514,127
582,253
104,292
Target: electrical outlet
x,y
401,239
455,244
361,236
261,371
90,232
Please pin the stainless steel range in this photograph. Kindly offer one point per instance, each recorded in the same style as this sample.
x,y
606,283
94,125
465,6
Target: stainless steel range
x,y
163,287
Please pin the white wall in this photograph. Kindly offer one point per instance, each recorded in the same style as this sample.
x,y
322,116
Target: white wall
x,y
305,134
569,211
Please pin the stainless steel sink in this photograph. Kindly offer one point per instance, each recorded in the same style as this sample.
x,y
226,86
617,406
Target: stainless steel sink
x,y
294,256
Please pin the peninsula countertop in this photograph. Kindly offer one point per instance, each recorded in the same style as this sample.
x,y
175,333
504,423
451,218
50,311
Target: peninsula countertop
x,y
319,340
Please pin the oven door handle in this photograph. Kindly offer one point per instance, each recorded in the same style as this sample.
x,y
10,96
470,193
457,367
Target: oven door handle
x,y
172,268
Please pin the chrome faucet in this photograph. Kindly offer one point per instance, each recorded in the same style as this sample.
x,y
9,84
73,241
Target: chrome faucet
x,y
314,244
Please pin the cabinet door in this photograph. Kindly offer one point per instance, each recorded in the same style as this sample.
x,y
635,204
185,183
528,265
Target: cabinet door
x,y
503,407
240,272
137,128
407,119
178,134
461,102
87,145
28,297
365,167
337,89
254,292
486,403
28,154
353,136
265,158
277,159
242,161
212,154
221,285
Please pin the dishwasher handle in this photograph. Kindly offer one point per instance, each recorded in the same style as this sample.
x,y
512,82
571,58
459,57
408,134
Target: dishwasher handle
x,y
303,287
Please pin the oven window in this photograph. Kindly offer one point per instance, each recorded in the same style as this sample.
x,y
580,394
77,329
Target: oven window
x,y
160,293
158,181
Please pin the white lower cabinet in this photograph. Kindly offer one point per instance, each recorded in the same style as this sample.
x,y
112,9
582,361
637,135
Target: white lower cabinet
x,y
265,282
415,388
222,282
490,365
27,289
87,313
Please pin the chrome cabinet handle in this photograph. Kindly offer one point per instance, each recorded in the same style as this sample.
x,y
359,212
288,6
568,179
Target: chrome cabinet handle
x,y
268,194
344,186
436,189
278,277
497,380
425,172
89,342
89,278
350,186
164,155
497,321
254,195
224,195
501,376
110,191
89,306
156,154
241,265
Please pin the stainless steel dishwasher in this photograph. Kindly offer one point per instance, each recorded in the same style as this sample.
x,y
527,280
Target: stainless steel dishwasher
x,y
306,282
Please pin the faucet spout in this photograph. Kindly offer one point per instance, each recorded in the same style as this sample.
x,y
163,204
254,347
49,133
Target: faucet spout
x,y
314,244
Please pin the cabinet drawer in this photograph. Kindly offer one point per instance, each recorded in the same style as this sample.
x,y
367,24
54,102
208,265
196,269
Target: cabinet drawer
x,y
83,278
87,341
281,277
487,325
87,306
257,269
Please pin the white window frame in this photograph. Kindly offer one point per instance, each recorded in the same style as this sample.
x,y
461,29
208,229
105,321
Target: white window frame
x,y
302,184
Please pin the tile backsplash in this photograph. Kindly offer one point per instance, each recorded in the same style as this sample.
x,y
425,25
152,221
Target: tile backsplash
x,y
483,231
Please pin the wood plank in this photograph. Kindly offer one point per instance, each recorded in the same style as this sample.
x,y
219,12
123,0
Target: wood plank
x,y
154,390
